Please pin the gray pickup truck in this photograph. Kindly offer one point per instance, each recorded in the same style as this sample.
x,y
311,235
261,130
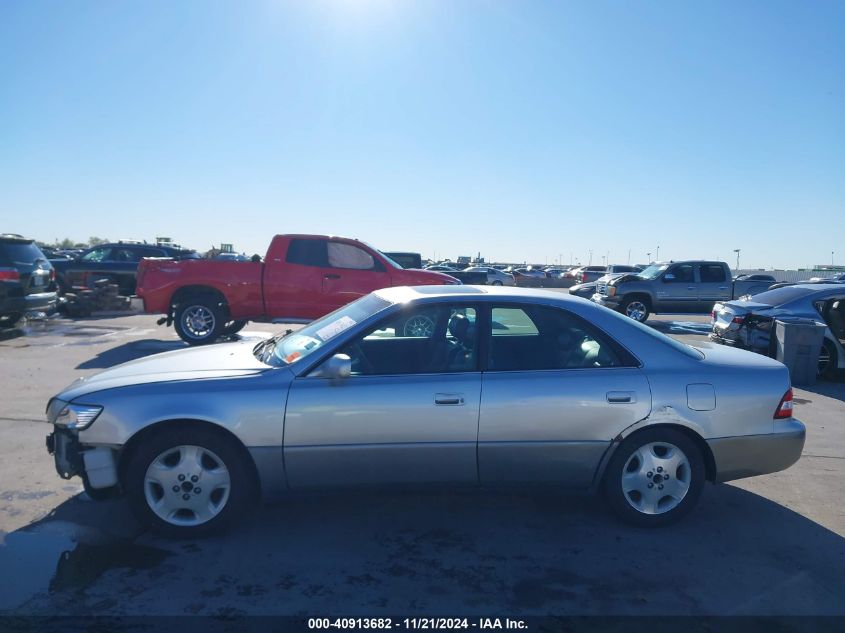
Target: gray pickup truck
x,y
674,287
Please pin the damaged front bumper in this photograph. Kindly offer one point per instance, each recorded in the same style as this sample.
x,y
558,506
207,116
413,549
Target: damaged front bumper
x,y
96,465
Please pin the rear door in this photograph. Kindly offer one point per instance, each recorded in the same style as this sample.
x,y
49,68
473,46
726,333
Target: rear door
x,y
555,392
714,285
351,272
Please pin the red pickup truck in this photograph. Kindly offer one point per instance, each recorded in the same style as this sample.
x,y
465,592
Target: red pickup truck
x,y
303,277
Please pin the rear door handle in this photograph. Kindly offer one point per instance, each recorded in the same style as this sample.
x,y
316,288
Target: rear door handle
x,y
331,276
621,397
455,399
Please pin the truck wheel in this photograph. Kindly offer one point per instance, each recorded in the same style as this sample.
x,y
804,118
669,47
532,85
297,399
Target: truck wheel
x,y
636,308
233,327
199,321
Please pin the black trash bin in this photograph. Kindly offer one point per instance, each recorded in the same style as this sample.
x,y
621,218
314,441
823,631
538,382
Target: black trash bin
x,y
798,344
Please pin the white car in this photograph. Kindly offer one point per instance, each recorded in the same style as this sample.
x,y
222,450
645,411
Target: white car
x,y
495,277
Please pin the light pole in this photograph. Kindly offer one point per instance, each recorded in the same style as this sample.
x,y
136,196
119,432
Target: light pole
x,y
648,256
737,250
831,258
591,258
657,254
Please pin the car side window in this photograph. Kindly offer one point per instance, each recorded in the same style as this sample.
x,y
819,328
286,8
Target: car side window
x,y
125,255
307,252
683,274
97,255
541,337
342,255
712,273
424,340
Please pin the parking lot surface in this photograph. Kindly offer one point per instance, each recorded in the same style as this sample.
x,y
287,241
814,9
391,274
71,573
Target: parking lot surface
x,y
768,545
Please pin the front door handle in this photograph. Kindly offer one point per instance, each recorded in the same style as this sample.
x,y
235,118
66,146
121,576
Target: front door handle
x,y
621,397
331,276
455,399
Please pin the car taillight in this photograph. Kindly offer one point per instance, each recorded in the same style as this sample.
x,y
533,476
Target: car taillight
x,y
9,274
784,409
52,274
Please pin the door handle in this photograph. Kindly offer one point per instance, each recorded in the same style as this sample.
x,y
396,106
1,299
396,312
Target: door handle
x,y
690,287
723,287
449,398
621,397
331,276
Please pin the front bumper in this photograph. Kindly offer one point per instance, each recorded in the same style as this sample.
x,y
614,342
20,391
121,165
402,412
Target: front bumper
x,y
96,465
608,302
752,455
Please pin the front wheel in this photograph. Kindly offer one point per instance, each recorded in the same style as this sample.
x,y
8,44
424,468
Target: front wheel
x,y
497,282
188,482
655,477
199,321
636,308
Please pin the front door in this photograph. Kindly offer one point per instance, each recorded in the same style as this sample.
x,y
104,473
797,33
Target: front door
x,y
556,391
677,290
407,415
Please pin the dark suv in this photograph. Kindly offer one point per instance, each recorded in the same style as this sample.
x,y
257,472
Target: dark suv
x,y
116,262
27,279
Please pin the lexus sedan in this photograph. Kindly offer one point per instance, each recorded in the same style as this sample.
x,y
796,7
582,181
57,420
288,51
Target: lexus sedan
x,y
510,387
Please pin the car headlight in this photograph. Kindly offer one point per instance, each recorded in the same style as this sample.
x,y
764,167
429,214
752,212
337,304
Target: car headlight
x,y
77,416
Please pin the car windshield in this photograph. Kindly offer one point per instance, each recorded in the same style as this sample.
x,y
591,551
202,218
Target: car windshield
x,y
652,271
780,296
290,347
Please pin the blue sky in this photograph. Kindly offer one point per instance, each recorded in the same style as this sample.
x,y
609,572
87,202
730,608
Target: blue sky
x,y
523,130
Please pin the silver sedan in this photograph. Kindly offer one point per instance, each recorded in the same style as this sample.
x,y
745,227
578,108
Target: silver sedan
x,y
509,387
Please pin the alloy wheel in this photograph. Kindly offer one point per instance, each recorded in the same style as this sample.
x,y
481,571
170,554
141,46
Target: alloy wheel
x,y
656,478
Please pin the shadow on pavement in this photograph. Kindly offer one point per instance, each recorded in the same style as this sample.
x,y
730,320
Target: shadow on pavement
x,y
411,554
831,387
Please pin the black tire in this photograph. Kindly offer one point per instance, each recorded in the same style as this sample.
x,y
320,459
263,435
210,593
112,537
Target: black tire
x,y
233,327
10,319
828,370
636,307
242,486
625,457
496,282
201,305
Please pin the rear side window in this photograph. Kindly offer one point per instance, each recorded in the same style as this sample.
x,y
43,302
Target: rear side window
x,y
342,255
19,253
307,253
538,337
126,255
712,273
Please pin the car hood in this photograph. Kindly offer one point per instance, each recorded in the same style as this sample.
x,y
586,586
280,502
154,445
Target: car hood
x,y
213,361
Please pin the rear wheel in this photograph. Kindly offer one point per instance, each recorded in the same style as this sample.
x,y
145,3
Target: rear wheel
x,y
199,320
655,477
233,327
496,282
828,360
188,482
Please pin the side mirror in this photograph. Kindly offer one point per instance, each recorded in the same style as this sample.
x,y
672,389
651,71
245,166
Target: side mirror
x,y
338,366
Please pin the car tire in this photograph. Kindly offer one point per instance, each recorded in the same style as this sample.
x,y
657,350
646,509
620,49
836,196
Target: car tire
x,y
648,465
11,319
165,472
636,308
233,327
828,369
199,320
496,282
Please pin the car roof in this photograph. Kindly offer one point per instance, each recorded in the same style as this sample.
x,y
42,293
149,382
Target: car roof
x,y
404,294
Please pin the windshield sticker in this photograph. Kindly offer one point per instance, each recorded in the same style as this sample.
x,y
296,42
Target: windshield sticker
x,y
292,357
335,328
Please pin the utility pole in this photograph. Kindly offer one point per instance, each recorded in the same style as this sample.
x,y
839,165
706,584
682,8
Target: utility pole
x,y
657,255
736,250
591,258
629,257
648,256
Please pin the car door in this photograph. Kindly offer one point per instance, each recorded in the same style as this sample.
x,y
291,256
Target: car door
x,y
407,415
293,287
351,272
714,285
555,392
89,266
677,290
